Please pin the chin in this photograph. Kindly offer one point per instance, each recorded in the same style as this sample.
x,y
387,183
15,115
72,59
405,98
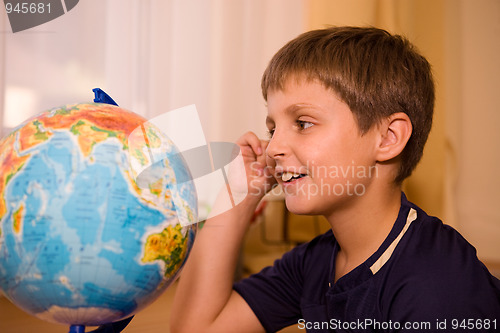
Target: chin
x,y
300,206
316,205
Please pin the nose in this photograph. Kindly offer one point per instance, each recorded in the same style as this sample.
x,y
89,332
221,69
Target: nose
x,y
277,147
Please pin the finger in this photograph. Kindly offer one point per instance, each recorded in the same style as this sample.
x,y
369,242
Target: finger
x,y
251,140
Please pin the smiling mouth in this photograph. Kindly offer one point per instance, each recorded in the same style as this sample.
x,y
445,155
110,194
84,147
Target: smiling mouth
x,y
291,176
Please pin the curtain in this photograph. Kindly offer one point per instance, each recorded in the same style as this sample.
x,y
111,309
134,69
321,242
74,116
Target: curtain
x,y
208,53
151,56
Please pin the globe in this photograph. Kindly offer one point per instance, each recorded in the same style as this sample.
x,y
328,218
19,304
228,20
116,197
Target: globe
x,y
97,214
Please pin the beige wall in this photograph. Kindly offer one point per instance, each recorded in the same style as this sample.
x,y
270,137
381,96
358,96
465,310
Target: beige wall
x,y
457,178
474,122
420,21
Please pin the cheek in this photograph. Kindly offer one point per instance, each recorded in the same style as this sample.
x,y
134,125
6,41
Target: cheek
x,y
270,162
339,167
328,154
363,151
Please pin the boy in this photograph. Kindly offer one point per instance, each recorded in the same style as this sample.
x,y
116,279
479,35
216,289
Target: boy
x,y
349,111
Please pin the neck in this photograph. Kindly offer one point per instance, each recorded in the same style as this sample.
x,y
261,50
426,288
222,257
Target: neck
x,y
361,226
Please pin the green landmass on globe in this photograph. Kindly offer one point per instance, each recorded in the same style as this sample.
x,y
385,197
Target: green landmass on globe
x,y
82,240
168,246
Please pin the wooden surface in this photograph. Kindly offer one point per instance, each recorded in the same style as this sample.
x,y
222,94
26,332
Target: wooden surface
x,y
153,319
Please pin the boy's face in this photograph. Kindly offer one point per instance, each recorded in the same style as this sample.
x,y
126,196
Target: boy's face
x,y
316,150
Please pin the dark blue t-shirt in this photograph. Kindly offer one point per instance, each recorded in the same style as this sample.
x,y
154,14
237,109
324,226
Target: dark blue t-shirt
x,y
425,277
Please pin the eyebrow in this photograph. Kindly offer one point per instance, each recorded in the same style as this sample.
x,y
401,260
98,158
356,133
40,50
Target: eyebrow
x,y
290,110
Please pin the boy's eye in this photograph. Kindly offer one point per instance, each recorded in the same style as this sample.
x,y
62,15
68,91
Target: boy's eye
x,y
302,125
270,132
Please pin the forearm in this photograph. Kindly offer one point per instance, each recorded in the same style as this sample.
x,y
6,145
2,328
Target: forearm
x,y
207,278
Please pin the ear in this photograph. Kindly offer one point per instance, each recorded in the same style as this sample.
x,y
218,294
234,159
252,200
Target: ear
x,y
395,131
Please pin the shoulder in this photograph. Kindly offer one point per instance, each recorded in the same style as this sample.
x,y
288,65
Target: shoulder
x,y
434,247
314,255
436,275
313,252
295,263
275,293
293,269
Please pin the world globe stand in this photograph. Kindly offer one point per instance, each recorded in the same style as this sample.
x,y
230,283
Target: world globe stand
x,y
115,327
77,329
101,97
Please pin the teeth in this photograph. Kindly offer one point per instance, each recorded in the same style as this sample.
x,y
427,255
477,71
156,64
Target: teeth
x,y
286,176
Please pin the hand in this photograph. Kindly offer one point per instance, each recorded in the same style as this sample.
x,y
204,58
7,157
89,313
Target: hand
x,y
258,175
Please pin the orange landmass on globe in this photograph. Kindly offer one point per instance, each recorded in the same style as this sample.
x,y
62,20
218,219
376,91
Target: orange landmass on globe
x,y
31,135
93,123
170,246
12,162
157,187
17,219
88,136
144,137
